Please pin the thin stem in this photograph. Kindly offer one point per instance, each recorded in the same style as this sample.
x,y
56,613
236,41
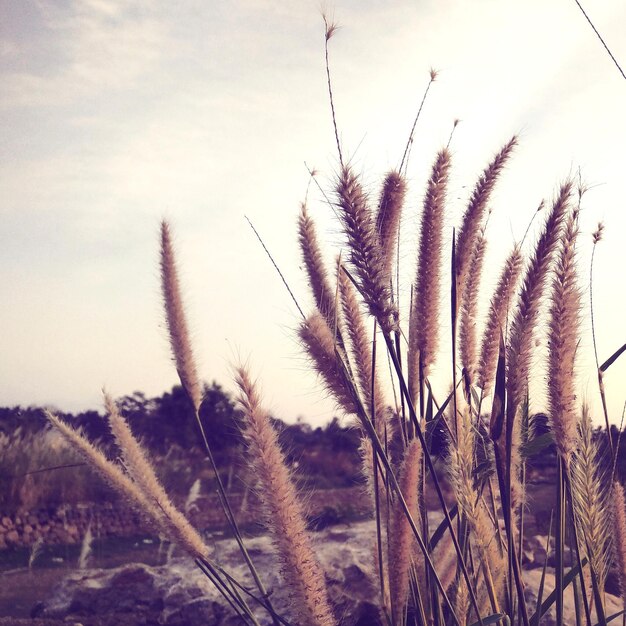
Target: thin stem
x,y
276,267
560,538
371,432
621,71
595,351
329,30
431,469
409,142
230,516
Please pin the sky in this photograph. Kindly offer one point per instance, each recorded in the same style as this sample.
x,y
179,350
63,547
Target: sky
x,y
116,114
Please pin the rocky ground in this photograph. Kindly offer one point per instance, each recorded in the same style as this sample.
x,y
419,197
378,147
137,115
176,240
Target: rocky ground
x,y
178,593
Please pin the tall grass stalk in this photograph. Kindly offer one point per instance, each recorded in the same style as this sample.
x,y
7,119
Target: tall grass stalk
x,y
468,569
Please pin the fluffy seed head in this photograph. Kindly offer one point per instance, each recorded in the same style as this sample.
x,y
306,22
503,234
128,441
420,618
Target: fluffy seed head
x,y
473,217
619,535
365,253
469,311
563,332
360,344
388,216
402,539
176,322
140,469
313,261
590,498
283,514
319,344
424,326
496,320
519,348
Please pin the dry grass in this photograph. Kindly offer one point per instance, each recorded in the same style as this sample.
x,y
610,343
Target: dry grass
x,y
468,569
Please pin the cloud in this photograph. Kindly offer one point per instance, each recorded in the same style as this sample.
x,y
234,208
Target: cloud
x,y
100,46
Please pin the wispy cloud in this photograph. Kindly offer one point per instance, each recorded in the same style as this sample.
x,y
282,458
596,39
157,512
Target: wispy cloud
x,y
101,46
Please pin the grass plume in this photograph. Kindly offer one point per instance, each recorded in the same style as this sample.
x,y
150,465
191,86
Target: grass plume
x,y
320,345
176,322
496,320
423,324
283,511
469,312
388,216
365,252
402,540
474,214
140,469
323,294
563,334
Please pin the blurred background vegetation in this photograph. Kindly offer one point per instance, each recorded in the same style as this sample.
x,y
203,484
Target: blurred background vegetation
x,y
37,470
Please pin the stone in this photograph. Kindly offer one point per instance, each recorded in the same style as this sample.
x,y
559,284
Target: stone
x,y
178,593
12,537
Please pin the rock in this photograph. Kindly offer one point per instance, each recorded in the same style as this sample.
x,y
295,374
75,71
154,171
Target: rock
x,y
12,538
534,551
200,611
532,579
72,531
179,594
123,591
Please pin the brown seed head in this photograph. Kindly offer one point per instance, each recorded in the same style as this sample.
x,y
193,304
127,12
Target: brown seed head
x,y
519,348
597,234
388,216
176,322
365,253
473,217
496,321
424,325
319,344
619,535
564,328
283,512
323,294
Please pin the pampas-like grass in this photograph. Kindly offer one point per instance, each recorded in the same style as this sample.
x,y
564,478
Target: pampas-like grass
x,y
319,343
519,347
141,471
283,513
423,323
619,535
365,252
176,323
461,472
112,473
474,214
144,503
323,294
377,494
563,335
469,311
496,320
360,343
401,548
388,216
590,498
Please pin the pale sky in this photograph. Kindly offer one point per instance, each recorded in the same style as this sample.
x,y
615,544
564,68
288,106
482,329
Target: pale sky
x,y
117,113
